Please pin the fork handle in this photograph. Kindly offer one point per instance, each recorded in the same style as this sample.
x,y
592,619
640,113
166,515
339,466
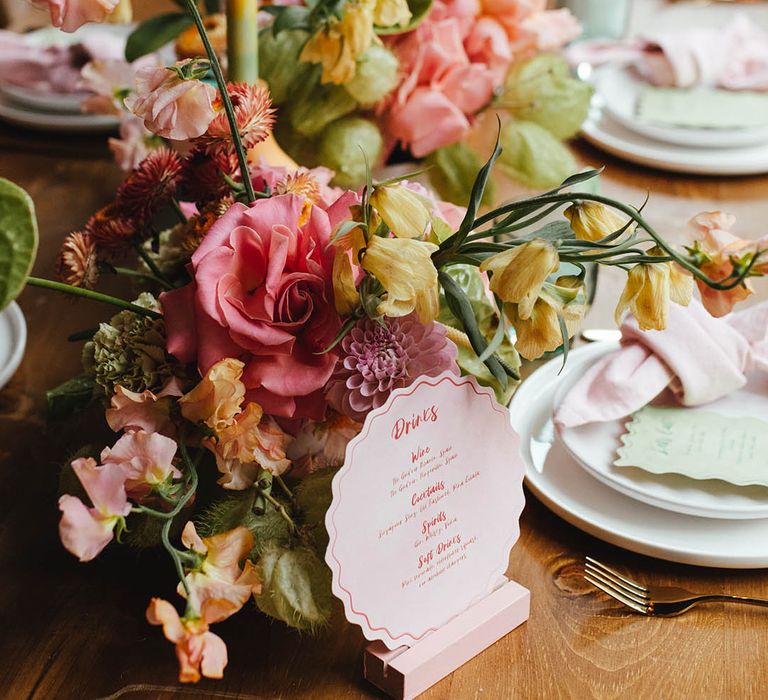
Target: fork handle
x,y
733,599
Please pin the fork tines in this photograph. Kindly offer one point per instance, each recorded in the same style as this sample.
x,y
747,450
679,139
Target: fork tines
x,y
619,587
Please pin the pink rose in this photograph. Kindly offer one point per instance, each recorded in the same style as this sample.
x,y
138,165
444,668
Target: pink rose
x,y
469,87
432,49
172,107
262,293
488,43
427,121
69,15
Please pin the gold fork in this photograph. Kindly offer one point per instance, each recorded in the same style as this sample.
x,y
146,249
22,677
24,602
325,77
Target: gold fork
x,y
652,600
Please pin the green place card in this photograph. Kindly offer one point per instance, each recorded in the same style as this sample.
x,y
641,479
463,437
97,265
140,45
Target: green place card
x,y
703,108
697,444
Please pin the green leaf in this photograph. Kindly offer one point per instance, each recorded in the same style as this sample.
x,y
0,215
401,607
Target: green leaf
x,y
279,61
18,240
154,33
419,10
533,156
296,587
313,498
461,308
289,17
552,231
212,6
498,336
566,340
542,90
454,169
71,397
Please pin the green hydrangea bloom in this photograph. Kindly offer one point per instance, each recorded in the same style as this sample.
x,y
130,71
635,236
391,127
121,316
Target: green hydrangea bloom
x,y
129,351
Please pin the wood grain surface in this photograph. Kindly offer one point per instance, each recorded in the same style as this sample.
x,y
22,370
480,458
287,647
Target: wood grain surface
x,y
74,631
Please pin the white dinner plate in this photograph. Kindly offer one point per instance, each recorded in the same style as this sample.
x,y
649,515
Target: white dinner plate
x,y
13,340
609,135
55,121
594,447
580,499
618,89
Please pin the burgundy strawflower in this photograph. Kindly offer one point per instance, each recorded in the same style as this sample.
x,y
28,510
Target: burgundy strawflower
x,y
111,228
151,185
378,358
77,262
253,113
202,178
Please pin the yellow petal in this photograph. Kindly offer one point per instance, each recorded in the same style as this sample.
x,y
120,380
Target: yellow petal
x,y
389,13
519,273
646,294
592,221
345,294
680,285
537,334
402,211
405,269
217,398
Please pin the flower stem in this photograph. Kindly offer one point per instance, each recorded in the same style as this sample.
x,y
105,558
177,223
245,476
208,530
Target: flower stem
x,y
94,296
284,487
177,209
152,265
279,507
225,100
142,275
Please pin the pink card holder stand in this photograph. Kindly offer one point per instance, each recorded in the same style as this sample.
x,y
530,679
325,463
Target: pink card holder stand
x,y
405,672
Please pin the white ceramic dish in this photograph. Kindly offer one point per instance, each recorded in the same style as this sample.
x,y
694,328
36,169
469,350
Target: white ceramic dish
x,y
35,100
594,447
13,340
609,135
577,497
618,90
55,121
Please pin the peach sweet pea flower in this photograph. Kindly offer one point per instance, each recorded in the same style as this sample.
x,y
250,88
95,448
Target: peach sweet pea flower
x,y
172,106
69,15
219,583
217,398
86,531
199,651
251,443
711,230
146,460
144,411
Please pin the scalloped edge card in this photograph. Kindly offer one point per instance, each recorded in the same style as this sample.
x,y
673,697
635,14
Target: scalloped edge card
x,y
697,444
425,509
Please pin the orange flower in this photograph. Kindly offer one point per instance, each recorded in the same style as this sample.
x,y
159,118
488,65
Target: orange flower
x,y
216,400
77,263
198,650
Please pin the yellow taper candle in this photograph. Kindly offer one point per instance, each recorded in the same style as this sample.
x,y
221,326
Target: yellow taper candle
x,y
243,40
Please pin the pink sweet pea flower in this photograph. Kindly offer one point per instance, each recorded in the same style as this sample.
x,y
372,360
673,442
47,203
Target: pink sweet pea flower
x,y
427,121
134,144
86,531
219,584
488,44
172,107
552,29
146,460
469,87
69,15
144,411
198,650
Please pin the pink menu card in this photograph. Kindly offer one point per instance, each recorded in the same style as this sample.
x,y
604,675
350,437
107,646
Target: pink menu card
x,y
425,509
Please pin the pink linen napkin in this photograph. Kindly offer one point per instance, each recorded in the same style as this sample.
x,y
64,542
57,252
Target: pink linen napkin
x,y
699,357
734,57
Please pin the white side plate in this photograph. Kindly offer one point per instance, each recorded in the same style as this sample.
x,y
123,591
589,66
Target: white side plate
x,y
13,340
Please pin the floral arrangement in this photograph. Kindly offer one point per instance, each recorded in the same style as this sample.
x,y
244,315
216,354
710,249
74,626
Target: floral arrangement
x,y
355,80
277,311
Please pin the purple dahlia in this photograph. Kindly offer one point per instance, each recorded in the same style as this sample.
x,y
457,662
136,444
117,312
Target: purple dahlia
x,y
379,357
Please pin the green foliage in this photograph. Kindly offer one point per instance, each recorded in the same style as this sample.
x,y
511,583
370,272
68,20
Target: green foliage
x,y
375,77
542,90
311,113
18,240
453,171
71,397
296,587
313,498
156,32
344,147
279,61
533,156
419,10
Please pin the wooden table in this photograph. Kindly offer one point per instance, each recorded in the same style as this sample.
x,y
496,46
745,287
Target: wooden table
x,y
69,630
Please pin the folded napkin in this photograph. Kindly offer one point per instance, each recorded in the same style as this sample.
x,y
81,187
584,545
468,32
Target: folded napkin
x,y
54,68
699,357
734,57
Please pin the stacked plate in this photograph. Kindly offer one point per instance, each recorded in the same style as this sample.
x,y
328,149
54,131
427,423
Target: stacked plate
x,y
42,110
670,516
613,125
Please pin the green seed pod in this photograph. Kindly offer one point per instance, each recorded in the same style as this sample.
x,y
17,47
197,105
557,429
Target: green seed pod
x,y
279,61
375,77
340,149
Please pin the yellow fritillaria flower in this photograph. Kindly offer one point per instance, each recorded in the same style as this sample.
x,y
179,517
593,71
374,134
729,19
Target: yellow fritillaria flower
x,y
646,294
592,221
337,46
519,273
390,13
405,269
345,294
402,210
